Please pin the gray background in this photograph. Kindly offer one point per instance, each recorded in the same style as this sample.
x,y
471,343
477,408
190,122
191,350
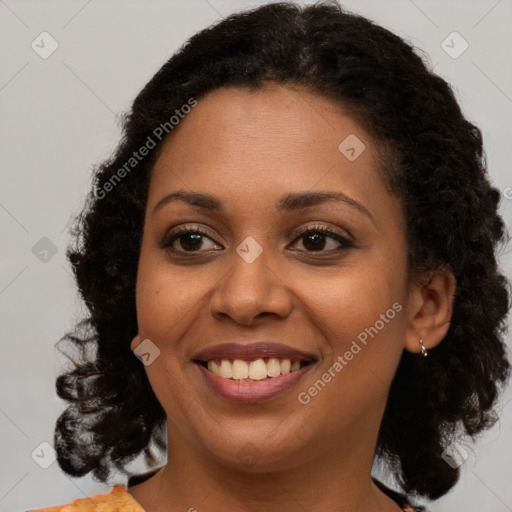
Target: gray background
x,y
59,116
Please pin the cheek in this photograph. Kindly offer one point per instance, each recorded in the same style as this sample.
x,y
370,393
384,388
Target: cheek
x,y
359,314
167,304
166,298
345,304
359,317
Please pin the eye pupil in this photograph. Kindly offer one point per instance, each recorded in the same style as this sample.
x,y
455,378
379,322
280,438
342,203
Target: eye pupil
x,y
196,243
315,237
314,240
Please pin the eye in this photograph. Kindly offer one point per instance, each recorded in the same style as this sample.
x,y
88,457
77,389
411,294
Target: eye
x,y
190,240
314,239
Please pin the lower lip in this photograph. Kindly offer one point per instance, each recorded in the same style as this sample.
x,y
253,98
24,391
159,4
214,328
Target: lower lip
x,y
255,391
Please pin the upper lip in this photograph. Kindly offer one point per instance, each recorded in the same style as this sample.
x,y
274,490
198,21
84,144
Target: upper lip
x,y
250,351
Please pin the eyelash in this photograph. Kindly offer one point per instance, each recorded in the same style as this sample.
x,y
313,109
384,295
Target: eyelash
x,y
345,243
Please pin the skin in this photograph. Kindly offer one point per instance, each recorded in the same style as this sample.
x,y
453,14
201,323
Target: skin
x,y
249,149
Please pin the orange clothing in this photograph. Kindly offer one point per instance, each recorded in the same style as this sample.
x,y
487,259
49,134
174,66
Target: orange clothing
x,y
117,500
120,500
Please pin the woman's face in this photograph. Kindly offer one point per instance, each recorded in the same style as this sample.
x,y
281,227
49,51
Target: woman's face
x,y
260,161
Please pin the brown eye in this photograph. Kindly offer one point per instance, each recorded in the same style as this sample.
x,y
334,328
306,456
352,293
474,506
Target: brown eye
x,y
190,241
314,240
187,240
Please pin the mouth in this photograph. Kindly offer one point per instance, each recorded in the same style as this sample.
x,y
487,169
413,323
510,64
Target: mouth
x,y
258,369
252,373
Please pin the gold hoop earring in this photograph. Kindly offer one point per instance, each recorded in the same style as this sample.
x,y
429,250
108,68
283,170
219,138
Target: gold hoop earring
x,y
424,351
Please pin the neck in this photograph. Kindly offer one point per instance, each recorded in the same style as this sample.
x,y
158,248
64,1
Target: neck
x,y
339,479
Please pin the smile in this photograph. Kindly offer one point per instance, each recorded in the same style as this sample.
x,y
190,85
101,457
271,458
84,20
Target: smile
x,y
252,372
248,390
256,370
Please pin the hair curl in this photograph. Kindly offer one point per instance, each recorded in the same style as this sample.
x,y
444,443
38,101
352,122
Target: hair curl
x,y
435,167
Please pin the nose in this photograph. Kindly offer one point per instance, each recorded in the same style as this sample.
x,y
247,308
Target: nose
x,y
251,290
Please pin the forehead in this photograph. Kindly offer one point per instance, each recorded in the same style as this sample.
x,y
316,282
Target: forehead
x,y
250,149
277,134
285,119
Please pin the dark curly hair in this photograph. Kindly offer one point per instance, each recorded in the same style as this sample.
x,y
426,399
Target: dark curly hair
x,y
433,162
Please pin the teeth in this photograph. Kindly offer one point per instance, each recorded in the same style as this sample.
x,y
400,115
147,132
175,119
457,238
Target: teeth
x,y
226,369
285,366
273,367
257,370
240,369
214,367
254,370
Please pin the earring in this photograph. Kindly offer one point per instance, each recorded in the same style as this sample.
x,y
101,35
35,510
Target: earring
x,y
424,351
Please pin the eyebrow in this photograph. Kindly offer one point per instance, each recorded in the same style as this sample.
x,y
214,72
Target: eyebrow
x,y
289,202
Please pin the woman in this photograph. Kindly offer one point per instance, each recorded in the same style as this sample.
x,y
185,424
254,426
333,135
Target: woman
x,y
296,239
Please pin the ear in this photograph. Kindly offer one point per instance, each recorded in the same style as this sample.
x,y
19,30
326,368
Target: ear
x,y
135,343
430,308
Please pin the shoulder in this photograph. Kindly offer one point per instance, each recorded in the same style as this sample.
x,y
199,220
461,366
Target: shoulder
x,y
409,508
117,500
401,499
